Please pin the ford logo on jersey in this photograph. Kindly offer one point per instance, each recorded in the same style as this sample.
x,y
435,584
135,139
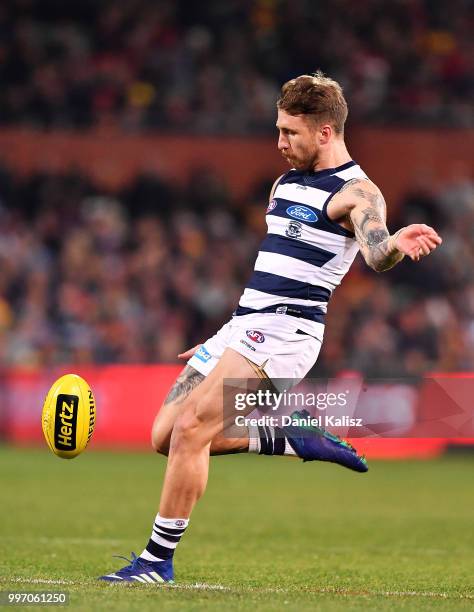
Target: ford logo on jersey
x,y
303,213
255,336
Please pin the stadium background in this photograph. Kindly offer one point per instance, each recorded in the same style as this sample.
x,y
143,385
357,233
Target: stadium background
x,y
137,151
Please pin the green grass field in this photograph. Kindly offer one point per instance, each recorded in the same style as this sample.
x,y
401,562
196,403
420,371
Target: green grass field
x,y
270,533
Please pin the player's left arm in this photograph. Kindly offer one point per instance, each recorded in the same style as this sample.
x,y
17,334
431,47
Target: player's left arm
x,y
363,205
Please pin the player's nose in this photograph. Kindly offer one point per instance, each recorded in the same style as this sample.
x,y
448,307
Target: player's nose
x,y
282,143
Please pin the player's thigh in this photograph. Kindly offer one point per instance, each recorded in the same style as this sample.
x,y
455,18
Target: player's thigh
x,y
204,415
198,367
173,406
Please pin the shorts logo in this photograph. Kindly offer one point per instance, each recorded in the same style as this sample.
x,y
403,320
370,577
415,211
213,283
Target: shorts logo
x,y
203,354
271,206
294,229
303,213
180,523
248,345
255,336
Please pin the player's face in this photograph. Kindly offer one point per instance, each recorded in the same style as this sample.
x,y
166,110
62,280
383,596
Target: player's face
x,y
297,141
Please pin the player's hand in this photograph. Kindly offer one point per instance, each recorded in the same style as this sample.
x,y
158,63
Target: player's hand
x,y
189,353
417,240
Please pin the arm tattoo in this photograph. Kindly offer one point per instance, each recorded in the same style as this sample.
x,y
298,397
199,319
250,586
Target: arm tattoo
x,y
185,383
372,234
376,199
351,183
371,214
375,237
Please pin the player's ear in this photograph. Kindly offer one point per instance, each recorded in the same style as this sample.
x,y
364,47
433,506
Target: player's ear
x,y
325,133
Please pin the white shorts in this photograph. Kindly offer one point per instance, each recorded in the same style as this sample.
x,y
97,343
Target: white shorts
x,y
276,341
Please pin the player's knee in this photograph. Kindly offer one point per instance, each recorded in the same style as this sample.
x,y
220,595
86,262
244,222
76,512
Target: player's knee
x,y
191,428
184,430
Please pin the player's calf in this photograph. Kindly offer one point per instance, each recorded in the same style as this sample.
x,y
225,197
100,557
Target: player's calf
x,y
160,441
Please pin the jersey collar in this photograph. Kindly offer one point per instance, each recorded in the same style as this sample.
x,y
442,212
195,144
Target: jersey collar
x,y
326,171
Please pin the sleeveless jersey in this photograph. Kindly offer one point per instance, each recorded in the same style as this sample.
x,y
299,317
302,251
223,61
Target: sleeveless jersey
x,y
304,255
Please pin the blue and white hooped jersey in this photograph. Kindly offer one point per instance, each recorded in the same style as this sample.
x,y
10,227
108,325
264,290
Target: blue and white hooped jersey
x,y
305,255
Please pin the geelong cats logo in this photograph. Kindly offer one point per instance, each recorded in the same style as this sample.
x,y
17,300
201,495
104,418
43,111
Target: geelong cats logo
x,y
294,229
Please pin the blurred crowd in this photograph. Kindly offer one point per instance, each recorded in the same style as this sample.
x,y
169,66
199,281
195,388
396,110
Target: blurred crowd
x,y
217,66
142,274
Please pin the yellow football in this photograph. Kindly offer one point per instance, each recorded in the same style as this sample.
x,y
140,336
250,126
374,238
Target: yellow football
x,y
68,417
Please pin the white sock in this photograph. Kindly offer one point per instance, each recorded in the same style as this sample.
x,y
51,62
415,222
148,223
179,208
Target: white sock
x,y
164,538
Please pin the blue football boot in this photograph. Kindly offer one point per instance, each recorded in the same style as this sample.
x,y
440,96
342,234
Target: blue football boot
x,y
316,444
141,570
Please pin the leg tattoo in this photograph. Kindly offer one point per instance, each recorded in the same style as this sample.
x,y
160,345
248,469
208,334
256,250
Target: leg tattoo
x,y
185,383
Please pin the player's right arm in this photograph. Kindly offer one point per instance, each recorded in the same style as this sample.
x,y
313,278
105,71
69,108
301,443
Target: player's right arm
x,y
361,205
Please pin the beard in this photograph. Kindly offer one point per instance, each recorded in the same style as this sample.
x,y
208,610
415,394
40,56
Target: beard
x,y
303,162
